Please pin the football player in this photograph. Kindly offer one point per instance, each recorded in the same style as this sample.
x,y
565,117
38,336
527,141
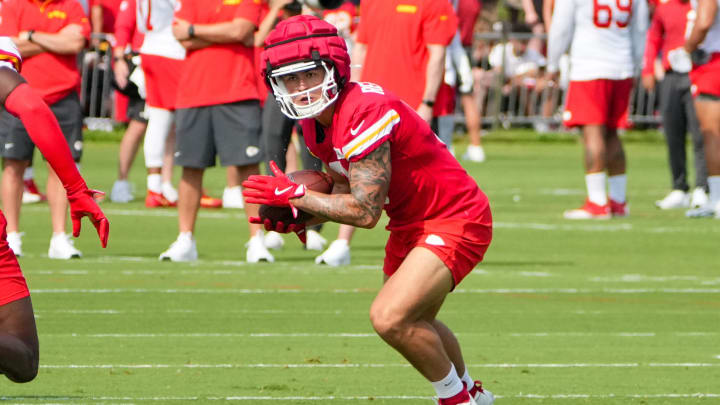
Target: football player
x,y
704,42
18,335
606,40
382,155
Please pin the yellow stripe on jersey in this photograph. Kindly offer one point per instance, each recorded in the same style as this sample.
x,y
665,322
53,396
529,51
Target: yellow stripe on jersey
x,y
406,8
12,59
368,137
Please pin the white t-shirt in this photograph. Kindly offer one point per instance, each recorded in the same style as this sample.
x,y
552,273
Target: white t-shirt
x,y
9,54
606,38
159,39
515,64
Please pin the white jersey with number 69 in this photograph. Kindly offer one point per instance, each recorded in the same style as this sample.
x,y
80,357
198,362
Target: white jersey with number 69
x,y
154,19
606,38
9,54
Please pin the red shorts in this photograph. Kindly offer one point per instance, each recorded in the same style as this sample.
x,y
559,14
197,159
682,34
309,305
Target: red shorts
x,y
705,78
12,282
460,244
598,102
444,101
162,78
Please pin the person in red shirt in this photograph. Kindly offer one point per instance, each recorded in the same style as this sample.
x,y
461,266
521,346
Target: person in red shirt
x,y
667,31
381,155
218,110
401,46
49,36
18,334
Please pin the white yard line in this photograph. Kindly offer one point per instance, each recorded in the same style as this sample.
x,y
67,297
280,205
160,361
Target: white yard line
x,y
369,334
375,365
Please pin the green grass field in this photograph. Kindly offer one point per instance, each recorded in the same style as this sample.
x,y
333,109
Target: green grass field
x,y
625,311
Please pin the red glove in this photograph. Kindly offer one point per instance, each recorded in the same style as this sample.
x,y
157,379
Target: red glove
x,y
280,227
82,203
276,191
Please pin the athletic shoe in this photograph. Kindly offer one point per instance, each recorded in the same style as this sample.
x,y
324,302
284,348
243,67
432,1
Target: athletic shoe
x,y
461,398
337,254
232,198
475,153
619,209
31,193
589,211
315,241
256,250
182,250
62,247
706,211
156,200
210,202
273,240
699,198
169,192
121,192
14,240
480,395
675,199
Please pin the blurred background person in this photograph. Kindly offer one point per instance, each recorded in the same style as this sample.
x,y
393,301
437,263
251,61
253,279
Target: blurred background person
x,y
667,31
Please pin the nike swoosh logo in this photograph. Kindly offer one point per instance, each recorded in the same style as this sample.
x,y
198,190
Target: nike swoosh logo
x,y
354,131
283,191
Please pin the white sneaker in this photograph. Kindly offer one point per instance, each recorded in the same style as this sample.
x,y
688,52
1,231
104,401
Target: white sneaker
x,y
232,198
480,395
675,199
14,240
699,198
62,247
183,249
272,240
706,211
121,192
475,153
169,192
315,241
337,254
256,250
30,198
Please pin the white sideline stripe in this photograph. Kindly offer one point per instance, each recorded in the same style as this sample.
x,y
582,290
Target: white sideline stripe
x,y
363,398
374,365
154,213
366,291
366,335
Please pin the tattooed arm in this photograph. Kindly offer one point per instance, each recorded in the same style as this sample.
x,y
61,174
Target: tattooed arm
x,y
369,183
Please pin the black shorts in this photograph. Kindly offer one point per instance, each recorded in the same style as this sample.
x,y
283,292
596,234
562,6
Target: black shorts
x,y
16,144
229,131
136,109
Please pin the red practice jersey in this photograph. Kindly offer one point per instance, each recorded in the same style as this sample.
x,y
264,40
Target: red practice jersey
x,y
427,183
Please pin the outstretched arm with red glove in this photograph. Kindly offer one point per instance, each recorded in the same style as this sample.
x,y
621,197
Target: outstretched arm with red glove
x,y
45,132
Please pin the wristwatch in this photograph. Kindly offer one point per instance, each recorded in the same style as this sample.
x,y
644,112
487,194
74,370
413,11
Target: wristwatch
x,y
30,34
191,31
429,103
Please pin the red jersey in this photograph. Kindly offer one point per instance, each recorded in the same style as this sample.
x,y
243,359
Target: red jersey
x,y
53,75
220,73
397,33
667,32
126,27
343,18
467,12
109,10
427,183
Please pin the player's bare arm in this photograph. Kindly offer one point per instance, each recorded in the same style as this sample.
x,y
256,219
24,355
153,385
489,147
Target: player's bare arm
x,y
369,183
706,11
68,41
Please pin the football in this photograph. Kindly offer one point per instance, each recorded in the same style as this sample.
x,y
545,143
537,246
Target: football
x,y
312,179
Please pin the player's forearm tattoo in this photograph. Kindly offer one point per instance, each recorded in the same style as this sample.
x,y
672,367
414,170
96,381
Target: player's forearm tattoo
x,y
369,183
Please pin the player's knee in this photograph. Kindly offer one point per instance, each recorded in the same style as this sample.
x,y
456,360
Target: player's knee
x,y
388,325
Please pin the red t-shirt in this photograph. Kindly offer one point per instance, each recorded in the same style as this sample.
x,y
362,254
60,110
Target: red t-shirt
x,y
427,182
53,75
467,12
126,28
666,32
110,10
220,73
397,33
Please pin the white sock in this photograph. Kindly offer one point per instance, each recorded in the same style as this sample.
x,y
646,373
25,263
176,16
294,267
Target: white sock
x,y
617,187
469,383
29,174
595,184
714,186
450,385
185,235
154,183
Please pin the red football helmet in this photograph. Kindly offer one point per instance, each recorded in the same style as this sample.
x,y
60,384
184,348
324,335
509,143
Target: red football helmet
x,y
299,44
